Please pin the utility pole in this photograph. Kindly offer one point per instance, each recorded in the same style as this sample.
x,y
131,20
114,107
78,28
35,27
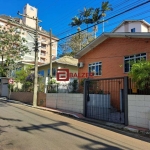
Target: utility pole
x,y
36,58
50,67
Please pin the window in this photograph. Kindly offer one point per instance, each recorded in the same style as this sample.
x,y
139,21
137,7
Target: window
x,y
41,73
53,72
43,46
133,30
128,60
31,8
96,68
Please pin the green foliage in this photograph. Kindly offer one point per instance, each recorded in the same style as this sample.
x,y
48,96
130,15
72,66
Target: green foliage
x,y
12,47
27,86
10,87
52,81
91,15
82,82
41,84
75,86
76,42
140,74
22,74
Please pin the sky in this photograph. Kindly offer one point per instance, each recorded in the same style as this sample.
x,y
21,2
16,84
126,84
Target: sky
x,y
57,14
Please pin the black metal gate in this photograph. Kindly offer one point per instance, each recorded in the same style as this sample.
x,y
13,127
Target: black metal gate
x,y
106,99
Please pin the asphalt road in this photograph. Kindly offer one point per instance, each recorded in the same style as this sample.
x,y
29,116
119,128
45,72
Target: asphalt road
x,y
27,128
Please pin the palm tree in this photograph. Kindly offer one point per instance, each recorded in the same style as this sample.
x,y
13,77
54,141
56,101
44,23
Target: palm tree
x,y
86,14
96,16
76,21
105,7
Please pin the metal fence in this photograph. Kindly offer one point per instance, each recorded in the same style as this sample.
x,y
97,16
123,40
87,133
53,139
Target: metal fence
x,y
106,99
62,88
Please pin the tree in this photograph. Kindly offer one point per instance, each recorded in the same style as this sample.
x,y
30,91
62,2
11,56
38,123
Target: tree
x,y
92,15
76,21
85,15
23,76
140,74
74,43
12,45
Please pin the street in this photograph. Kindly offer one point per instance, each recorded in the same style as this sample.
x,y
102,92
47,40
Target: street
x,y
27,128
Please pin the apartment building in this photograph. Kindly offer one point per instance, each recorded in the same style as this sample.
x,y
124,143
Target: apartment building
x,y
27,27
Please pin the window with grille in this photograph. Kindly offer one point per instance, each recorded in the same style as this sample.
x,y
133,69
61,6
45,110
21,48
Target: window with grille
x,y
95,68
128,60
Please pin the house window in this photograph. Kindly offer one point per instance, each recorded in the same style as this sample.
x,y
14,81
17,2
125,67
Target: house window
x,y
41,73
128,60
96,68
53,72
133,30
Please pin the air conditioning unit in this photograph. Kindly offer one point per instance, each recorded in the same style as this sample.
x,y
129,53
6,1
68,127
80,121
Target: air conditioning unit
x,y
80,64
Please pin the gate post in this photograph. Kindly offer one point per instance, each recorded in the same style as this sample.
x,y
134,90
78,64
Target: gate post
x,y
84,98
126,100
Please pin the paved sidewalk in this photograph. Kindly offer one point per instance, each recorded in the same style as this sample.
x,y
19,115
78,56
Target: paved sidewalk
x,y
134,129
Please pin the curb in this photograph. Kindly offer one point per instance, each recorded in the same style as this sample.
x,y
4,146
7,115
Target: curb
x,y
131,129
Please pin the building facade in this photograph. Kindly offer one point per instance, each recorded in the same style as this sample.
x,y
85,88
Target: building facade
x,y
65,62
26,27
133,26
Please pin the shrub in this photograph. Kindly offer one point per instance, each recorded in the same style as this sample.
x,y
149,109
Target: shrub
x,y
140,74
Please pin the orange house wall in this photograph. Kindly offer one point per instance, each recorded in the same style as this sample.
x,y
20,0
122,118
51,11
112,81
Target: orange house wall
x,y
111,53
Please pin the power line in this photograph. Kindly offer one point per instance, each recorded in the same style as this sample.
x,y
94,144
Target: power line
x,y
107,19
107,15
144,12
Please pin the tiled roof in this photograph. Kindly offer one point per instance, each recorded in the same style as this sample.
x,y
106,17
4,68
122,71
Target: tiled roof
x,y
68,60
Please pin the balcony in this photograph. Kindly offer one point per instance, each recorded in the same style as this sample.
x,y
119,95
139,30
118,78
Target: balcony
x,y
43,54
42,60
43,46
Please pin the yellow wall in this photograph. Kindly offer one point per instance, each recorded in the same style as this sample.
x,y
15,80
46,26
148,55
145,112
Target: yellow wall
x,y
72,69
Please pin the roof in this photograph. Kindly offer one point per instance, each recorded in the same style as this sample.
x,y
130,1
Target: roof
x,y
67,60
126,21
105,36
29,62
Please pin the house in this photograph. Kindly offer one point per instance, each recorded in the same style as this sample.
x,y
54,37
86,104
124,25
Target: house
x,y
111,55
133,26
66,62
27,26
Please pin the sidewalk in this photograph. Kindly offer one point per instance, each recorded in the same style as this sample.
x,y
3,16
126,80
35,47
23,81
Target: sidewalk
x,y
133,129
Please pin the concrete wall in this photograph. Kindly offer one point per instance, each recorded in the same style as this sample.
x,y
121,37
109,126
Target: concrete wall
x,y
41,99
26,97
139,110
4,91
65,101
